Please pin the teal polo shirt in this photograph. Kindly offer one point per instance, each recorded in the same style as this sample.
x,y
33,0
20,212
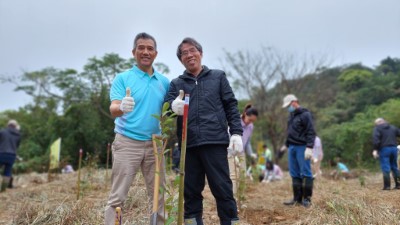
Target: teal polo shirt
x,y
148,94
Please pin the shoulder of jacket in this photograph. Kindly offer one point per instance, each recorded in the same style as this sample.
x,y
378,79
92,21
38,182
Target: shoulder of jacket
x,y
217,72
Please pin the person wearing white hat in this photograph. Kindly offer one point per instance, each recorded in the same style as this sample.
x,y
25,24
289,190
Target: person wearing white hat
x,y
9,142
300,143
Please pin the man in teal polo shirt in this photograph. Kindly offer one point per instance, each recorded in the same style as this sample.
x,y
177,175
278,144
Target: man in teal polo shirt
x,y
135,95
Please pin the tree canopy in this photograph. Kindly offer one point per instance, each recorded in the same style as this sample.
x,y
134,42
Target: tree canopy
x,y
344,101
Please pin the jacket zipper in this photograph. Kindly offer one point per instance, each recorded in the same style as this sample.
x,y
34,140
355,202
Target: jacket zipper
x,y
197,96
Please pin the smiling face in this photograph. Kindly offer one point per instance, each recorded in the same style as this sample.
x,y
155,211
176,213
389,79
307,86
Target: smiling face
x,y
191,58
145,53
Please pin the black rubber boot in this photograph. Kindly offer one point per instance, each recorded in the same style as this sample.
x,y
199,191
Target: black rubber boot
x,y
4,183
297,186
308,190
386,181
10,184
194,221
396,178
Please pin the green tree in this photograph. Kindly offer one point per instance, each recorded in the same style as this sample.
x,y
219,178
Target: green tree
x,y
72,105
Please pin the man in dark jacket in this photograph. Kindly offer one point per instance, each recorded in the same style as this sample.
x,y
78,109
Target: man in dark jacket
x,y
9,142
212,109
384,140
300,143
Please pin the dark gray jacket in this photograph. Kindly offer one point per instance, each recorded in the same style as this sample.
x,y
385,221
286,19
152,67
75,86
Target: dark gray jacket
x,y
384,135
212,107
300,128
9,140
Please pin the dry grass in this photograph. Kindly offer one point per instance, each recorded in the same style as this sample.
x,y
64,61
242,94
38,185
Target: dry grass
x,y
334,202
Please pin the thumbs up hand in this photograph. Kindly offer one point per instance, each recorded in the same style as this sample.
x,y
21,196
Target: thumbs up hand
x,y
178,103
127,103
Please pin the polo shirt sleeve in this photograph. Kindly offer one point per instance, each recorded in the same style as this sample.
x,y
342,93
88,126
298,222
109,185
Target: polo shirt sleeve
x,y
118,89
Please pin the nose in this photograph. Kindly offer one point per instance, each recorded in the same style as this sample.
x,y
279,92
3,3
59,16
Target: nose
x,y
146,51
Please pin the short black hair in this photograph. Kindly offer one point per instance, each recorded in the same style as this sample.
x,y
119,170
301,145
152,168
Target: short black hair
x,y
188,40
144,35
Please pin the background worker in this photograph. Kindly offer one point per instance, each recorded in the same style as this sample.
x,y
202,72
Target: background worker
x,y
237,163
300,142
341,169
272,172
10,139
385,147
267,153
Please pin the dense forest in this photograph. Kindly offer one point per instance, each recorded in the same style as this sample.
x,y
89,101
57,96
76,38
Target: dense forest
x,y
344,101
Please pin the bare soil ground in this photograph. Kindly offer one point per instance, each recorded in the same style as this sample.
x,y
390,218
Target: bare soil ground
x,y
36,201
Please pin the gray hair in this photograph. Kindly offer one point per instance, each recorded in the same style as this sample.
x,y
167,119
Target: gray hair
x,y
379,121
144,35
191,41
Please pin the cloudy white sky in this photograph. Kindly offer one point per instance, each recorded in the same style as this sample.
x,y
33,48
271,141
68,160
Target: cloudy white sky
x,y
65,33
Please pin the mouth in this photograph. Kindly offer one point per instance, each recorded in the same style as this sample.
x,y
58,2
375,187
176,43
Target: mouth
x,y
145,58
191,61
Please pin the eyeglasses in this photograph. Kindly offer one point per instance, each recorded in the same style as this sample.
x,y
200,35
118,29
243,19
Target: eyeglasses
x,y
191,50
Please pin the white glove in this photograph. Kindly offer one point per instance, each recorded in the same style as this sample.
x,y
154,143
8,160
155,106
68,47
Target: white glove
x,y
253,155
178,104
127,103
235,144
375,154
308,154
315,160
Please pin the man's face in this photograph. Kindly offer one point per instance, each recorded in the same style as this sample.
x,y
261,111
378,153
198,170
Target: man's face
x,y
191,58
145,53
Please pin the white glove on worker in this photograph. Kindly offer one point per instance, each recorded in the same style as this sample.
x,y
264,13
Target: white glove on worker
x,y
315,160
253,155
308,154
178,104
235,144
375,154
127,103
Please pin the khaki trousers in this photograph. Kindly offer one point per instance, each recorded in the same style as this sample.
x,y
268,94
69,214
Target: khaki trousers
x,y
128,156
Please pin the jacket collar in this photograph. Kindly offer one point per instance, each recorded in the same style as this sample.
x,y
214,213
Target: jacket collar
x,y
203,72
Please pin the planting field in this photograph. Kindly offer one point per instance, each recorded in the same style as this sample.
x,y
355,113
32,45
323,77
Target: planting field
x,y
353,201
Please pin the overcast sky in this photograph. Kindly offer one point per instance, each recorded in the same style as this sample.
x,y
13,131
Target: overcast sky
x,y
65,33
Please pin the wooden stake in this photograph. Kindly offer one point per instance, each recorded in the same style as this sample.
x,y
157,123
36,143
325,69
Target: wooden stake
x,y
79,175
108,159
182,162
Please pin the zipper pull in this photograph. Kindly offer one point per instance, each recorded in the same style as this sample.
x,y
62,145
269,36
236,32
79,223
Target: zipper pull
x,y
196,82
